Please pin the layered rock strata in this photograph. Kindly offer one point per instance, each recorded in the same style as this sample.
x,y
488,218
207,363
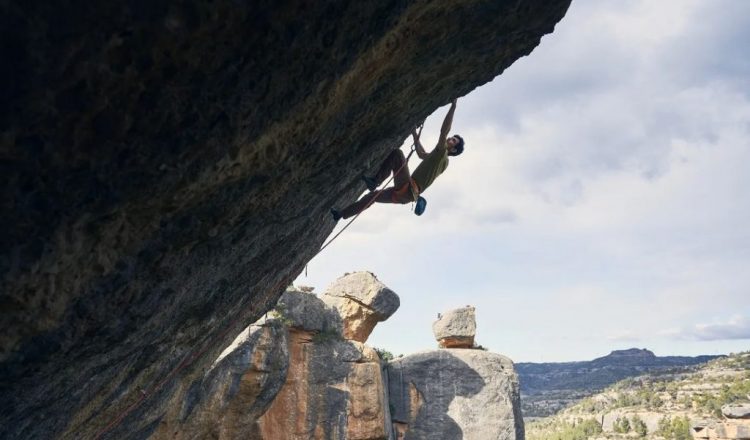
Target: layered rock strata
x,y
735,426
166,169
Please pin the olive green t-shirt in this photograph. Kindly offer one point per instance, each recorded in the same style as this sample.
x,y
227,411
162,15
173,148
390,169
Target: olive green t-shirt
x,y
432,166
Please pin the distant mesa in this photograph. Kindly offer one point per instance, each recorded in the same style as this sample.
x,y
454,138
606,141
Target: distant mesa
x,y
549,387
631,353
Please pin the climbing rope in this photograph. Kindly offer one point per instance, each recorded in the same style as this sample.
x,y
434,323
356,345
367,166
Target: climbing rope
x,y
413,149
366,206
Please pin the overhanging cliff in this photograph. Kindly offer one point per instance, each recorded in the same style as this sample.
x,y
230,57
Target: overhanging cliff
x,y
167,170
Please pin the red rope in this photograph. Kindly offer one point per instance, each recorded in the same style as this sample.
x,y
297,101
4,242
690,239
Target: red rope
x,y
188,360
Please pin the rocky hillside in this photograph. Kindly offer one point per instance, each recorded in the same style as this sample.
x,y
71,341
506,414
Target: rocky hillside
x,y
166,170
304,372
549,387
705,402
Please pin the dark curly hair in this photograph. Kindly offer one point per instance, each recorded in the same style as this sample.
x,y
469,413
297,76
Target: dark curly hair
x,y
459,147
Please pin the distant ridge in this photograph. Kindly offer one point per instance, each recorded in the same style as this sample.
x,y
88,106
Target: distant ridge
x,y
548,387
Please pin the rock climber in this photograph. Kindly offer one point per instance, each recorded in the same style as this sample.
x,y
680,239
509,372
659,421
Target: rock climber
x,y
407,187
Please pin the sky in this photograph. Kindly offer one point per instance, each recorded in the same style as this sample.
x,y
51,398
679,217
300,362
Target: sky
x,y
602,201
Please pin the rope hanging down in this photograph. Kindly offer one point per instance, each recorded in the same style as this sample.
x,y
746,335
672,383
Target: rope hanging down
x,y
413,149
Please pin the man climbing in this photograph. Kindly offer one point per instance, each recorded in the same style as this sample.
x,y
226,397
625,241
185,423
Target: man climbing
x,y
406,188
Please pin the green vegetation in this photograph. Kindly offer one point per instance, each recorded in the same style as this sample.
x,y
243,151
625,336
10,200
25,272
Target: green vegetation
x,y
279,312
621,425
639,426
384,354
580,430
677,428
325,336
676,398
729,393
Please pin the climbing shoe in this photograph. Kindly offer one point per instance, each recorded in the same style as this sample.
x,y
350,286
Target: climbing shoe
x,y
370,182
420,206
336,214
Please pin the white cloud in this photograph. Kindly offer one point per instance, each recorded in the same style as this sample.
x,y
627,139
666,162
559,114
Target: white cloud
x,y
604,186
628,336
737,327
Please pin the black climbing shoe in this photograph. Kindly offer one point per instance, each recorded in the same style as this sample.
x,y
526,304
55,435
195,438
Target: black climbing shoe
x,y
370,182
336,214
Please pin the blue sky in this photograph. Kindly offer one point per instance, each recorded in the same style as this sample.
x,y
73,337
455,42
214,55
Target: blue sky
x,y
602,202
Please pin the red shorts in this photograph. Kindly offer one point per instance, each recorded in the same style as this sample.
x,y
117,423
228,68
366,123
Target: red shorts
x,y
406,193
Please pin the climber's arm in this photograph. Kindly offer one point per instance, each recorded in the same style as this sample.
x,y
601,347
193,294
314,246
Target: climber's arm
x,y
447,122
418,145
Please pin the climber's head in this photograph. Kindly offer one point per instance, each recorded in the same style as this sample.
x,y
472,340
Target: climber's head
x,y
455,145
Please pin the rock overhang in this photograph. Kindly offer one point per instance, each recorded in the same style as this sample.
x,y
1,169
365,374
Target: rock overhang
x,y
167,171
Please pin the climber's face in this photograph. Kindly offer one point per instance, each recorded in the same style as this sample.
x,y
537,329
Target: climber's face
x,y
451,142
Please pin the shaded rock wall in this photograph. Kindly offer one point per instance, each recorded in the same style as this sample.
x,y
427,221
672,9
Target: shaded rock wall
x,y
455,394
166,170
237,389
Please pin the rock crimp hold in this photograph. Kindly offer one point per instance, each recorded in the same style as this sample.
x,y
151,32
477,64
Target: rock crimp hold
x,y
456,328
361,301
452,394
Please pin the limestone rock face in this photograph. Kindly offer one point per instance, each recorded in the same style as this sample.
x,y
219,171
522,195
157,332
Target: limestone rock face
x,y
167,168
226,402
456,328
455,394
736,411
362,301
333,391
731,429
289,376
307,312
736,426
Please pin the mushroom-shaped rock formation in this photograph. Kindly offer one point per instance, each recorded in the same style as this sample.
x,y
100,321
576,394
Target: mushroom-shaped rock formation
x,y
362,301
456,328
166,171
289,375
